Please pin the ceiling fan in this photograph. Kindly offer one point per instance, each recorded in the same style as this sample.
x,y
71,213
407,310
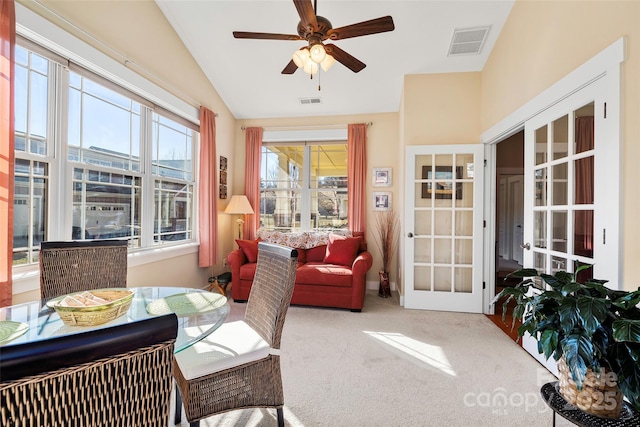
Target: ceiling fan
x,y
315,29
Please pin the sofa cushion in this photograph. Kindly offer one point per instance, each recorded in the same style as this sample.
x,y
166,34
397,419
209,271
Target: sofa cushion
x,y
302,255
249,248
316,254
247,271
342,250
317,273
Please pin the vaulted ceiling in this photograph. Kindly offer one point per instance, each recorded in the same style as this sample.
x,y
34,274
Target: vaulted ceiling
x,y
247,73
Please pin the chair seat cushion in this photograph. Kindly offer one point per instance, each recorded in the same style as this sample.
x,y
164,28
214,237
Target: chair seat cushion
x,y
232,344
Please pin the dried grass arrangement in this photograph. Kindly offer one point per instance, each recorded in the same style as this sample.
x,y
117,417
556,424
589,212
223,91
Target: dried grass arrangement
x,y
387,228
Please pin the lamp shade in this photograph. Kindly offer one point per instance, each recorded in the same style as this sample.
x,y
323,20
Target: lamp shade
x,y
317,53
327,62
301,56
239,204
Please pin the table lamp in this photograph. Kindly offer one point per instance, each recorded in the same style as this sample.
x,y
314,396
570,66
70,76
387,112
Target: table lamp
x,y
239,205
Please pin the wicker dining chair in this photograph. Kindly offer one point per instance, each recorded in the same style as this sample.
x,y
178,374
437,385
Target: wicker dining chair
x,y
238,365
73,266
115,376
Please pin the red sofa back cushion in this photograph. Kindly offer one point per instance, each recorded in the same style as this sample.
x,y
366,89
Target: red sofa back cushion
x,y
342,250
249,248
316,254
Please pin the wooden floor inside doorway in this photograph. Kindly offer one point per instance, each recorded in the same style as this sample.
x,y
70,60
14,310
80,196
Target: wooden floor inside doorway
x,y
505,325
504,268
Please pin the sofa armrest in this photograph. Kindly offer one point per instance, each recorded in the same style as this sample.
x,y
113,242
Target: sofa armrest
x,y
236,259
359,268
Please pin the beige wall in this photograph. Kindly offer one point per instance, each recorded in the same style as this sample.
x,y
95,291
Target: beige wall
x,y
441,109
541,42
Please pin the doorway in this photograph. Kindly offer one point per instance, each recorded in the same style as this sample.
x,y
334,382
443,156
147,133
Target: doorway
x,y
509,207
509,217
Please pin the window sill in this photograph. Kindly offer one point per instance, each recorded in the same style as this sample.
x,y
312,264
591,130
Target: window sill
x,y
27,279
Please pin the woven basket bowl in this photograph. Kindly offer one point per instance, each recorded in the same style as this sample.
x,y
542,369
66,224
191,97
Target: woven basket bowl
x,y
599,395
119,303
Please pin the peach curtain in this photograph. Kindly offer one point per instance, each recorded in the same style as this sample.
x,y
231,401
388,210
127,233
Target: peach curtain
x,y
207,191
584,182
7,52
253,153
356,176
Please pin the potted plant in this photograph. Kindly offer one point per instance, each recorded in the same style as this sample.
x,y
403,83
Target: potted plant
x,y
387,229
590,330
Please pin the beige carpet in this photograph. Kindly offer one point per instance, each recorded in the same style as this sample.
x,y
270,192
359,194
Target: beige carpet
x,y
389,366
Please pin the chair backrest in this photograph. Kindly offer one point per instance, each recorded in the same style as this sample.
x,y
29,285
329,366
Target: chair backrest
x,y
74,266
116,376
271,291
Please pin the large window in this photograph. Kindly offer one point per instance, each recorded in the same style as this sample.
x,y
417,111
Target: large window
x,y
33,157
303,186
98,163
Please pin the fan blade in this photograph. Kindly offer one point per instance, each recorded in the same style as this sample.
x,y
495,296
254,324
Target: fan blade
x,y
344,58
265,36
307,14
374,26
290,68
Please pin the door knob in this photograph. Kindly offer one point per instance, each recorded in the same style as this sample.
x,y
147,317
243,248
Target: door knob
x,y
526,246
409,234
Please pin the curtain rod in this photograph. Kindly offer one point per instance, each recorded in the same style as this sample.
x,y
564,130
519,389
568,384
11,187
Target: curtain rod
x,y
309,127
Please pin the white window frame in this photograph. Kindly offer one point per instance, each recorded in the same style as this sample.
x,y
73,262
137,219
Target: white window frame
x,y
306,192
43,32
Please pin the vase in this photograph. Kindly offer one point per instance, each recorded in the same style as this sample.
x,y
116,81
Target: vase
x,y
384,290
600,394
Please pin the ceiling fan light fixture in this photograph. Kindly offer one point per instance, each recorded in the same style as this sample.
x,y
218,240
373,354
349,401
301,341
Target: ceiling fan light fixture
x,y
317,53
327,62
300,57
310,67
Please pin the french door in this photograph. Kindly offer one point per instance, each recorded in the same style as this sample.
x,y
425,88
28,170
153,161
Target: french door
x,y
443,227
571,191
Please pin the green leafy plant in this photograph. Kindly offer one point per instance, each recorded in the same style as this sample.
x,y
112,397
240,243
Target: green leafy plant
x,y
589,324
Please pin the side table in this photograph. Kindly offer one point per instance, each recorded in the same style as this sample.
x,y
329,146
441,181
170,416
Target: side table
x,y
629,417
219,283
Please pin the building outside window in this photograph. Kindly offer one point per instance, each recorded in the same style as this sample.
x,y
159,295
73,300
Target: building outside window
x,y
101,156
303,186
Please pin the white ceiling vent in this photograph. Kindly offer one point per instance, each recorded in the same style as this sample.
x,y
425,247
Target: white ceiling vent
x,y
307,101
468,41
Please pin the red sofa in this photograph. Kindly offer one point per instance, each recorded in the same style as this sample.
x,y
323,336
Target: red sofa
x,y
327,275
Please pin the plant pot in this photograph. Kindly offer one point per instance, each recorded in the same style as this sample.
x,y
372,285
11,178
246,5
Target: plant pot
x,y
384,290
599,395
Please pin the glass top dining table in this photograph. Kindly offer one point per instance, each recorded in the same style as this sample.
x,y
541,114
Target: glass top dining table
x,y
43,322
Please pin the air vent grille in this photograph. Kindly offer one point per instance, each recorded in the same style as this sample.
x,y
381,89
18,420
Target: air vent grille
x,y
307,101
468,41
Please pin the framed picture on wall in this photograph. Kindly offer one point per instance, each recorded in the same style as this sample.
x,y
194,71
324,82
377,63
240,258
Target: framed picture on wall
x,y
223,178
381,201
382,177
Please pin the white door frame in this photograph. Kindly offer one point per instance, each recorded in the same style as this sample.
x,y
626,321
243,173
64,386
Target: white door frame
x,y
604,65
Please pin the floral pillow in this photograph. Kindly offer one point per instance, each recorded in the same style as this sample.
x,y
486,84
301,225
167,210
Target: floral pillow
x,y
319,238
302,239
292,240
